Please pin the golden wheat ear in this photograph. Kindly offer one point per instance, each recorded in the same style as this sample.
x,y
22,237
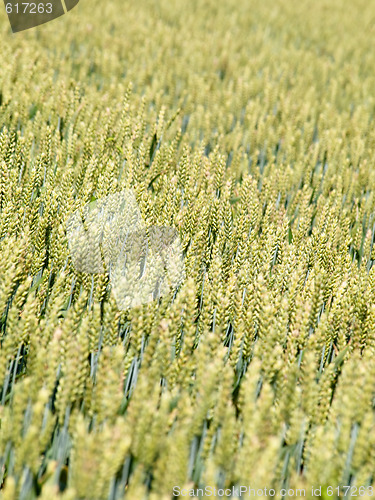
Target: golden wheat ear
x,y
23,16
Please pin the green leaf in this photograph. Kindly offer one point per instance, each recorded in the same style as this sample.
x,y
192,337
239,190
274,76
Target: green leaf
x,y
290,235
340,357
153,147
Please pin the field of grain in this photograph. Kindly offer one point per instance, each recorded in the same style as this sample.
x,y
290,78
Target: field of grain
x,y
248,127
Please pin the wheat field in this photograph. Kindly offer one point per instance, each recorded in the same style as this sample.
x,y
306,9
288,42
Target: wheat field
x,y
248,127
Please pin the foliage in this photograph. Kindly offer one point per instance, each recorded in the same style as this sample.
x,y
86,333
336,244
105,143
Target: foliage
x,y
249,128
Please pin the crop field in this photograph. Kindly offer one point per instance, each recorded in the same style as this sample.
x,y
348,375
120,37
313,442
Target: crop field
x,y
248,129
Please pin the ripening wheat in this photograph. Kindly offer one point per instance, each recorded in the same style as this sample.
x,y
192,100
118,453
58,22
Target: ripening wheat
x,y
247,128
